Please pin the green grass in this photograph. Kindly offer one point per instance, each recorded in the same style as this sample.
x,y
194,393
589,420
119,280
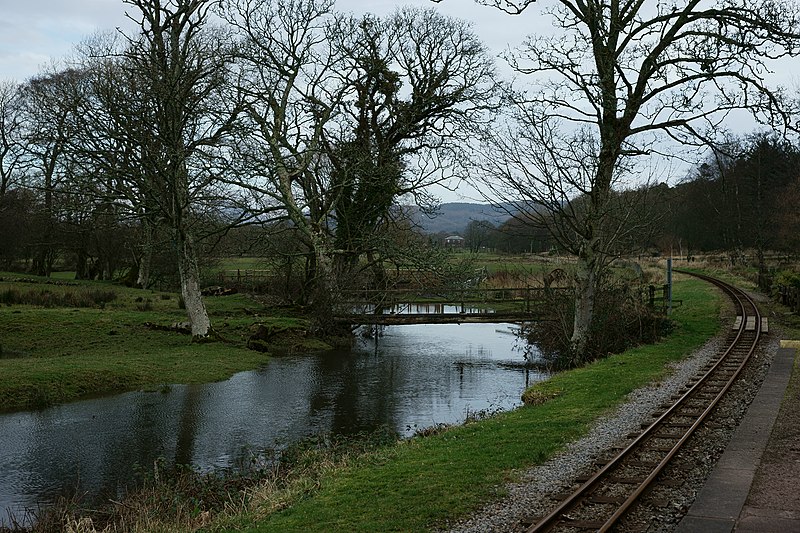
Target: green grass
x,y
65,275
55,355
241,263
422,483
534,265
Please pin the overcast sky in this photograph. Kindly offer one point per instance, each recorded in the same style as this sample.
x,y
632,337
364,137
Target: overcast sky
x,y
34,31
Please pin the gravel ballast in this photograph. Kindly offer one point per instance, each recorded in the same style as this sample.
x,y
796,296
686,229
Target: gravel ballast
x,y
533,494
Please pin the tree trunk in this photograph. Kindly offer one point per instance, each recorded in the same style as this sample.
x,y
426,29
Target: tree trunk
x,y
82,266
764,280
381,280
143,276
146,258
190,286
324,282
45,257
585,286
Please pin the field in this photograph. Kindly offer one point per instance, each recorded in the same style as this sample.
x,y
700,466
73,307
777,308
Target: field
x,y
63,340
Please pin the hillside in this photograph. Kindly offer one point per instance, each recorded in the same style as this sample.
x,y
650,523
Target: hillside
x,y
454,217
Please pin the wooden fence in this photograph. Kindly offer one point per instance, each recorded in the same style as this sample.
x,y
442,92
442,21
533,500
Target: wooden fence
x,y
240,278
790,297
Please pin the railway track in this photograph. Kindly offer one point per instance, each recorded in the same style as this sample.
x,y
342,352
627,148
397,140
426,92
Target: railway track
x,y
605,496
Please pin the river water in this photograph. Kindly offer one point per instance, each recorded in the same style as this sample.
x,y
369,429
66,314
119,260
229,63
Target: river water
x,y
411,378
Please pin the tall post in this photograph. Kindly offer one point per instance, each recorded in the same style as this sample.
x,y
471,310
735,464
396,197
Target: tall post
x,y
669,285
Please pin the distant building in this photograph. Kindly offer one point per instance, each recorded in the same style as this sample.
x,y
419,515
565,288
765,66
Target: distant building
x,y
454,241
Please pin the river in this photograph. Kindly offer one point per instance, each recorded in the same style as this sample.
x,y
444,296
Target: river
x,y
413,377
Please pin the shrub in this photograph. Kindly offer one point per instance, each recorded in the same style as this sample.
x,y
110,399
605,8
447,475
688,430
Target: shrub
x,y
621,320
48,298
10,296
144,305
787,278
786,289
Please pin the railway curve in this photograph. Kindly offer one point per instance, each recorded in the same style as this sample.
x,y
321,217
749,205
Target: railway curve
x,y
605,496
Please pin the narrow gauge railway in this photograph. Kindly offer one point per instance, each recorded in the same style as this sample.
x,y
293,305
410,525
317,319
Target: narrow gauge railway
x,y
605,496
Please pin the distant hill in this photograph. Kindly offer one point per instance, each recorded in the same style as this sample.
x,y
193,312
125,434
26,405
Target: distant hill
x,y
454,217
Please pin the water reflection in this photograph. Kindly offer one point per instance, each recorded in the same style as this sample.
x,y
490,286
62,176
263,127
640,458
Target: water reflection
x,y
409,378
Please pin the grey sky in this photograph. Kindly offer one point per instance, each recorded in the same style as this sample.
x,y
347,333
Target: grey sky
x,y
34,31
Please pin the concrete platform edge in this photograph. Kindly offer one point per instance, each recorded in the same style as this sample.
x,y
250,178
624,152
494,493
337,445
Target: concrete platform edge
x,y
719,503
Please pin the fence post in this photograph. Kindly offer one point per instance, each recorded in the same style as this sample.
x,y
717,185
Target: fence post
x,y
669,286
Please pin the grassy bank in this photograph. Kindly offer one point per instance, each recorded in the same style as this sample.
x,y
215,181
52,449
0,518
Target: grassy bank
x,y
421,484
61,341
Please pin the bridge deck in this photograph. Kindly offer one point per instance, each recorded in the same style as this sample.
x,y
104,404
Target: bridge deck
x,y
453,306
438,318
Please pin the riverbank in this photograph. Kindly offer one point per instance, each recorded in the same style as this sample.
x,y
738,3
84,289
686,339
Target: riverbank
x,y
425,483
428,483
65,340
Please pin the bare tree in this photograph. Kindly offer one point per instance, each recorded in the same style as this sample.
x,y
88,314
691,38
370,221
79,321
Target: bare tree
x,y
184,69
349,114
478,234
11,135
617,80
292,80
115,142
420,83
737,191
50,102
117,139
16,204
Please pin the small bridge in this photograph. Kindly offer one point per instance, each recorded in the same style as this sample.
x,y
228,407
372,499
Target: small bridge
x,y
449,306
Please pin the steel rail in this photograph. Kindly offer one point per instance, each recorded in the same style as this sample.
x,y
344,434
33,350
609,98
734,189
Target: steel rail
x,y
743,302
